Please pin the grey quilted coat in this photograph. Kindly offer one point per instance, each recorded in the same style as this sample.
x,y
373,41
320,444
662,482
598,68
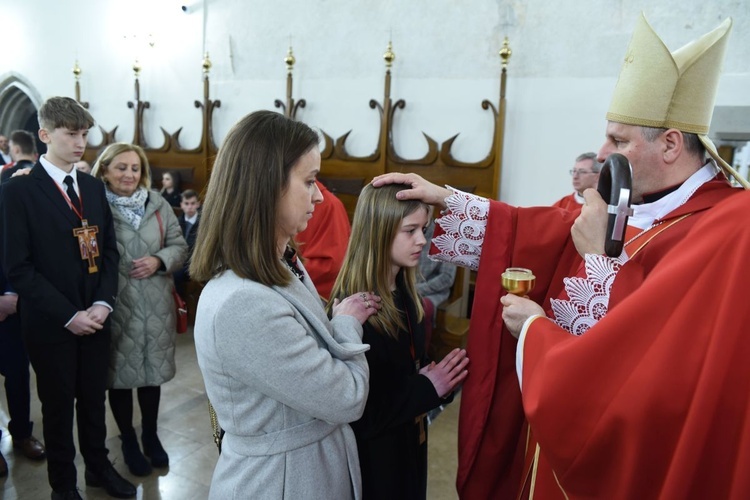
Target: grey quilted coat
x,y
143,322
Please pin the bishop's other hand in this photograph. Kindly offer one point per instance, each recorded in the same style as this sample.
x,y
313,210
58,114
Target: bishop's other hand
x,y
516,310
589,230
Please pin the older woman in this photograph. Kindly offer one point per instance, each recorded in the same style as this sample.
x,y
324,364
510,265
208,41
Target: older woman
x,y
284,380
151,247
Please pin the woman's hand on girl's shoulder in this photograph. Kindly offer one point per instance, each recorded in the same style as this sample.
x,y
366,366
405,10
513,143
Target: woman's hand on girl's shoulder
x,y
447,374
361,305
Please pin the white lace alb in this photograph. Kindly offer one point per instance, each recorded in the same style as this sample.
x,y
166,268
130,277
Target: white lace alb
x,y
588,297
464,227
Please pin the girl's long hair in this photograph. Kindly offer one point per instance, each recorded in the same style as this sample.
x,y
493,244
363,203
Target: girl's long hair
x,y
367,264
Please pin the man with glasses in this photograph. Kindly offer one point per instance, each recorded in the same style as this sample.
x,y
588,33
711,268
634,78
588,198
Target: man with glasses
x,y
585,175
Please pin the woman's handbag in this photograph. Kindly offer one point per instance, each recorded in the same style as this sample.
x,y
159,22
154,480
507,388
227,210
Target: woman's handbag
x,y
218,431
181,316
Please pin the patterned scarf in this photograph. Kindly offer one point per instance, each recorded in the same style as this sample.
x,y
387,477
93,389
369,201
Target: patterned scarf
x,y
131,207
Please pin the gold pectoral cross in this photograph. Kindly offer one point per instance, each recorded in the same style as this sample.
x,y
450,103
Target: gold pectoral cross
x,y
86,236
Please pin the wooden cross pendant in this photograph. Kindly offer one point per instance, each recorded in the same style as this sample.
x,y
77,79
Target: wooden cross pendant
x,y
86,236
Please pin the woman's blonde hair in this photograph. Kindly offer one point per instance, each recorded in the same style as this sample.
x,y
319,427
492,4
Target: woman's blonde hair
x,y
105,159
368,264
239,217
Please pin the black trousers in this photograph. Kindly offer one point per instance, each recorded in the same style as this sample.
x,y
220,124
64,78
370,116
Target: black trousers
x,y
72,372
14,366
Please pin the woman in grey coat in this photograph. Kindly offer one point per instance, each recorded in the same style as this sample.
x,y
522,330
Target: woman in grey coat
x,y
283,379
151,247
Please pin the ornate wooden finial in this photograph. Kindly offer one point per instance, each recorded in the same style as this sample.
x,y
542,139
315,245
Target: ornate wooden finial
x,y
289,60
505,53
206,64
389,56
77,70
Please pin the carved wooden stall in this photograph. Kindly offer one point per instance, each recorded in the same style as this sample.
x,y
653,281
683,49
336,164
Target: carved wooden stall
x,y
193,165
345,175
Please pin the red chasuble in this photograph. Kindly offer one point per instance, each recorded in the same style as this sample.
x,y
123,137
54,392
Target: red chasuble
x,y
493,436
568,203
323,243
654,400
491,421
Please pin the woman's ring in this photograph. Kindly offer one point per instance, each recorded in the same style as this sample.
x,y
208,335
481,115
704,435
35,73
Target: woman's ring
x,y
367,304
363,295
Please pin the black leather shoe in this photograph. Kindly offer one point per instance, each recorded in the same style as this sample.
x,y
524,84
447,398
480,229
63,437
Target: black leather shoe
x,y
112,482
66,495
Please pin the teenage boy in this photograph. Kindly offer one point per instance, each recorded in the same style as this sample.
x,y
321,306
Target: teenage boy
x,y
14,362
60,255
189,220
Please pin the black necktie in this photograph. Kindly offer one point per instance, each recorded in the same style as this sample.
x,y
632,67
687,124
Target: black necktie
x,y
72,193
188,227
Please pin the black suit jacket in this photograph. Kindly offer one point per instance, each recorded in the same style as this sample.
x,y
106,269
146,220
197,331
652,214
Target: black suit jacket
x,y
11,322
8,173
41,257
192,234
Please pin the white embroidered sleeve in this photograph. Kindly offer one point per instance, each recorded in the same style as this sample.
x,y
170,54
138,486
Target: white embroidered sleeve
x,y
464,226
589,296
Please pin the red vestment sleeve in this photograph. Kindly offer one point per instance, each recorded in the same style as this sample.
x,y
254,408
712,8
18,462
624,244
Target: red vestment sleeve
x,y
323,243
654,400
491,422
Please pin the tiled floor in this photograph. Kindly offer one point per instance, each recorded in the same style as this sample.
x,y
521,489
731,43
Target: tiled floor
x,y
185,431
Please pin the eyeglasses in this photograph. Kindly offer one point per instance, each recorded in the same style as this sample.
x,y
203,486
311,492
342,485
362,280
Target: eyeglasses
x,y
580,172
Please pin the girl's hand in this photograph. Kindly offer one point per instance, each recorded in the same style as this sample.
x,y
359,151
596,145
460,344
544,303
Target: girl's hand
x,y
360,305
447,374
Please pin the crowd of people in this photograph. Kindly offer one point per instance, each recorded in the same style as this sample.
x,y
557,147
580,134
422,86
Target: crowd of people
x,y
103,321
615,377
127,249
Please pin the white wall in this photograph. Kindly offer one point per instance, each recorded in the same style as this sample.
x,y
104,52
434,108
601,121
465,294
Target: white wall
x,y
566,57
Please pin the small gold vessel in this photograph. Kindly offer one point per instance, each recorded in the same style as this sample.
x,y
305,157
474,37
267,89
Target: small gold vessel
x,y
518,280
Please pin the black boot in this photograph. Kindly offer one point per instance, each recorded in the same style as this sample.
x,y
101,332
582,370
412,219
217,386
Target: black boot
x,y
134,459
153,449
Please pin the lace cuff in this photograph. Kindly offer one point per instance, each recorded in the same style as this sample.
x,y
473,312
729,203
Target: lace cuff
x,y
464,223
588,296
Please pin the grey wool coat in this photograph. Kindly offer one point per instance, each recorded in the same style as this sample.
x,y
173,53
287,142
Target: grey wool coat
x,y
143,322
284,381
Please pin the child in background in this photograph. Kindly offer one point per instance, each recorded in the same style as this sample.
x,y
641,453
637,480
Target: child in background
x,y
383,254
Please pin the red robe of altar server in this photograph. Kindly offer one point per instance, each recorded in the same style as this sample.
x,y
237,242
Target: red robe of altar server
x,y
654,400
323,244
572,202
